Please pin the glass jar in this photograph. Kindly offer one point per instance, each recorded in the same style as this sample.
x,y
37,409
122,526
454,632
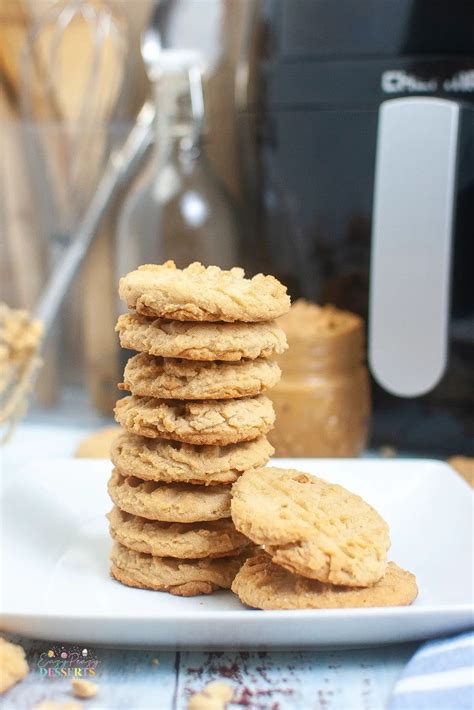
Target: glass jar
x,y
322,401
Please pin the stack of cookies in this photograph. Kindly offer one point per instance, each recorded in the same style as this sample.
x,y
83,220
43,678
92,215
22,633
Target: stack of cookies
x,y
195,421
324,547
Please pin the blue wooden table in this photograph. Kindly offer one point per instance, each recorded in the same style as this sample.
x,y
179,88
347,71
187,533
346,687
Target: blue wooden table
x,y
138,680
164,680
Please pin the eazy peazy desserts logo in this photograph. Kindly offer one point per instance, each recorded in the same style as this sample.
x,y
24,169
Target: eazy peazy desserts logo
x,y
73,662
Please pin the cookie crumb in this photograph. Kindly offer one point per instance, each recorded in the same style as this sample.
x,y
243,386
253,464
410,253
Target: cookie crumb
x,y
55,705
155,662
97,445
464,466
84,688
13,665
214,696
387,452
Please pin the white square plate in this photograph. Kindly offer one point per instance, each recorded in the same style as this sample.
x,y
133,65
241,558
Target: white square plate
x,y
55,582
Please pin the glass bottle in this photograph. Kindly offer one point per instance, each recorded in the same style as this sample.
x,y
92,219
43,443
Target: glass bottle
x,y
177,209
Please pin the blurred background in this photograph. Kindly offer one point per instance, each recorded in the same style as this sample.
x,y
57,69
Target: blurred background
x,y
261,153
72,82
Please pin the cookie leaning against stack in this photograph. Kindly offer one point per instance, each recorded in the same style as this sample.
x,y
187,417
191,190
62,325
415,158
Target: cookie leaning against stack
x,y
324,546
195,421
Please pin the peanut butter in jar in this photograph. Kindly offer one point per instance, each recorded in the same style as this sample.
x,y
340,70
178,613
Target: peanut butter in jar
x,y
322,401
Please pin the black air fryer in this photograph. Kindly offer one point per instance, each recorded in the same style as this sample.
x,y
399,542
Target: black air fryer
x,y
354,95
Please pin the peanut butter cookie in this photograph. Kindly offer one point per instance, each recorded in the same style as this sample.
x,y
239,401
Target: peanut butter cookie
x,y
173,461
311,527
172,503
170,378
201,422
218,538
200,341
13,665
184,578
199,293
264,585
464,465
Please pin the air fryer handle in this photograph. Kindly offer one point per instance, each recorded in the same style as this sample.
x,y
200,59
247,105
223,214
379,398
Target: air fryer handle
x,y
414,197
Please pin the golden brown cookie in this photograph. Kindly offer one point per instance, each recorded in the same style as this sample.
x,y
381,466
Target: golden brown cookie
x,y
199,293
200,341
97,445
13,665
264,585
170,378
172,503
217,538
312,527
201,422
464,465
185,578
175,462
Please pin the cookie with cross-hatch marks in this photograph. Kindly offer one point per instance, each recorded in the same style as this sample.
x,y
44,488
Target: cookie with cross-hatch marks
x,y
196,340
169,502
311,527
176,462
184,578
210,422
217,538
199,293
171,378
263,585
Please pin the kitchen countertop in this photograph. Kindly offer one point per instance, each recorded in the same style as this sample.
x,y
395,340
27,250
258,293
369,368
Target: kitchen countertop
x,y
137,679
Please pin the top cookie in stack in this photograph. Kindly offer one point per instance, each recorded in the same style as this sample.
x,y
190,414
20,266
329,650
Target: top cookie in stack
x,y
196,420
200,293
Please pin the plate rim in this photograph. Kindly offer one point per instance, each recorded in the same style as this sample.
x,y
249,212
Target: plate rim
x,y
281,614
460,615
